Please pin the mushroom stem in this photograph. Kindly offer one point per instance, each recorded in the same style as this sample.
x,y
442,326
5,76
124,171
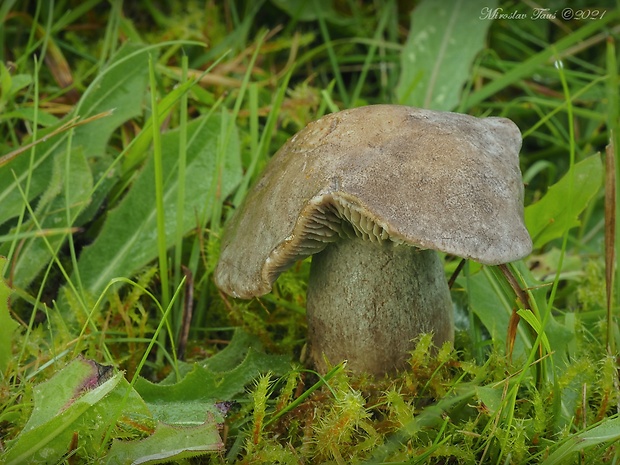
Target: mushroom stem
x,y
366,302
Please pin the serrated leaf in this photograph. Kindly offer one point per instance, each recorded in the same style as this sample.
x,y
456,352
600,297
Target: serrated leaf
x,y
7,324
55,395
83,400
128,239
444,39
206,384
188,410
216,381
548,218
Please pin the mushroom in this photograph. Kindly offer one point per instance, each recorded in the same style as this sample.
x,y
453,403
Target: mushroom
x,y
373,193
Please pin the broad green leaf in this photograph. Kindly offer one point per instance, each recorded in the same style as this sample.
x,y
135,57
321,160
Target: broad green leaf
x,y
11,85
128,239
81,401
493,301
235,353
59,392
557,335
547,265
186,412
493,304
7,324
5,85
444,39
43,118
491,397
558,210
168,444
50,441
605,433
51,212
19,81
121,87
17,172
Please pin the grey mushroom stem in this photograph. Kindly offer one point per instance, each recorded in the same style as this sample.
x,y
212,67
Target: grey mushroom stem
x,y
366,302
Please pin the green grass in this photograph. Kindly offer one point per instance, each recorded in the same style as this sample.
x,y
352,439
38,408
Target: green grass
x,y
131,131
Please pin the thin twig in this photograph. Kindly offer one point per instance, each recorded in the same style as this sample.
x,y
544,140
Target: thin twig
x,y
458,269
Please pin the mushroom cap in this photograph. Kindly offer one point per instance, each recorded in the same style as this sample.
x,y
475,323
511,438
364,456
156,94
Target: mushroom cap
x,y
434,180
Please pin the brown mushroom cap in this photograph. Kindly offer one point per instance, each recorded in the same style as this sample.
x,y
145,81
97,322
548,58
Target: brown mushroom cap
x,y
434,180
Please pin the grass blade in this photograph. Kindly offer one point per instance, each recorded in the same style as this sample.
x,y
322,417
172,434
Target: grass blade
x,y
612,187
529,66
610,239
159,190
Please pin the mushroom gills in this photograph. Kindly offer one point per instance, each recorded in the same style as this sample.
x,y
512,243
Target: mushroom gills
x,y
358,223
325,219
